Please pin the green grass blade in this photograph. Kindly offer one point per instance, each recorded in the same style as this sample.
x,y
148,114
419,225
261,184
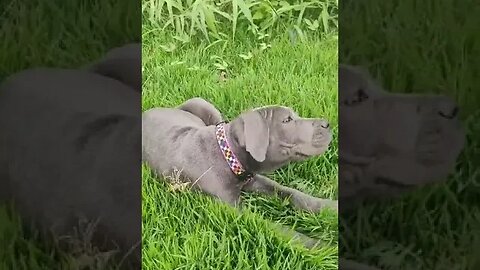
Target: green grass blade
x,y
234,17
210,19
325,19
245,10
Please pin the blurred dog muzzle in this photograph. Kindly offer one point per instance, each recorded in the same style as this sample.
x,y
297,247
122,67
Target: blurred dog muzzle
x,y
321,133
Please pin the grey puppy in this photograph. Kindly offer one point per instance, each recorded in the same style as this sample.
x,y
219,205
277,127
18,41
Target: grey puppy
x,y
183,140
60,155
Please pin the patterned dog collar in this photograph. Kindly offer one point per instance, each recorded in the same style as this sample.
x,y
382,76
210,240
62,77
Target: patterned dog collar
x,y
230,157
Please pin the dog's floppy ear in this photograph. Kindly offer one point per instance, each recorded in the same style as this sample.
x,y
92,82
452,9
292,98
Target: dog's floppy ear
x,y
123,64
125,70
255,135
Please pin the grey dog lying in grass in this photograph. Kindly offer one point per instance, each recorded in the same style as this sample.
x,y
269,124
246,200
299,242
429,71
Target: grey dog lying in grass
x,y
184,140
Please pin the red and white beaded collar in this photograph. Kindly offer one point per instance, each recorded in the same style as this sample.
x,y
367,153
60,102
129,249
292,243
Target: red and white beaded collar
x,y
230,157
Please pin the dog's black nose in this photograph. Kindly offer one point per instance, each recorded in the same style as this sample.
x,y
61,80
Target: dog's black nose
x,y
324,124
449,113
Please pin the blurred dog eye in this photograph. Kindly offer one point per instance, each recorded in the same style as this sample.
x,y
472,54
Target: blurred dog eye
x,y
288,119
360,96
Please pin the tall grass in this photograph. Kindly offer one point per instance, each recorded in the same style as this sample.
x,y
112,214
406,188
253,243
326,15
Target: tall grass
x,y
221,20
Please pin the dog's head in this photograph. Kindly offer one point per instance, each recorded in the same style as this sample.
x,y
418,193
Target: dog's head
x,y
399,140
275,135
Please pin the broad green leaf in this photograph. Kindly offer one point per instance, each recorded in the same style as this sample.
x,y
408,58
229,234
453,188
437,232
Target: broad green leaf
x,y
169,8
285,9
184,38
264,46
268,23
234,17
198,18
221,66
168,23
247,56
245,10
284,3
300,16
195,67
325,18
210,19
160,8
177,63
300,33
170,47
258,15
262,36
215,57
178,27
213,44
223,14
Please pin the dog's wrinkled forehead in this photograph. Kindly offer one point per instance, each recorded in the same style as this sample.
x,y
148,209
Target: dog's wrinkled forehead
x,y
352,78
272,112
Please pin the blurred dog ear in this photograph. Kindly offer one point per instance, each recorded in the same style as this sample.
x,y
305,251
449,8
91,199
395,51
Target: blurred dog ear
x,y
123,64
127,71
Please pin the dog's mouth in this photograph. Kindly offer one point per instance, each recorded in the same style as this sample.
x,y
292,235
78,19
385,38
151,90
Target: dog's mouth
x,y
301,155
392,183
320,138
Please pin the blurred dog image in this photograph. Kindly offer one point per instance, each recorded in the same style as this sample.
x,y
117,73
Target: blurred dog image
x,y
392,143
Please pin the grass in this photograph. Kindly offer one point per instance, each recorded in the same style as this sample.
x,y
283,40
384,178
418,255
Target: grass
x,y
189,230
56,34
420,47
221,20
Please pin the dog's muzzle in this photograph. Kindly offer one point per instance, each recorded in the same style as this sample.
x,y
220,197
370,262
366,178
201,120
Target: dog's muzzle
x,y
321,133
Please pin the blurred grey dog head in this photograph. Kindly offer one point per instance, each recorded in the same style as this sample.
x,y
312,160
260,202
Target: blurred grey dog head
x,y
399,140
275,135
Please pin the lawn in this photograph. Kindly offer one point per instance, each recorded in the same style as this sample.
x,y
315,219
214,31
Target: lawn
x,y
183,229
419,47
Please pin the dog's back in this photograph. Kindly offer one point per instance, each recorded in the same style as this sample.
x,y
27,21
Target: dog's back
x,y
163,125
167,130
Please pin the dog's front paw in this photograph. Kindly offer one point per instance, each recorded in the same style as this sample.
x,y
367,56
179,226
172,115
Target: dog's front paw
x,y
300,238
313,204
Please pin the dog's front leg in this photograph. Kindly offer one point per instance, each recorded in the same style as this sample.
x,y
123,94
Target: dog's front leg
x,y
265,185
220,189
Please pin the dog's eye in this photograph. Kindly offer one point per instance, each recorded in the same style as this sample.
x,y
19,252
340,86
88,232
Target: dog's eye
x,y
360,96
288,119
